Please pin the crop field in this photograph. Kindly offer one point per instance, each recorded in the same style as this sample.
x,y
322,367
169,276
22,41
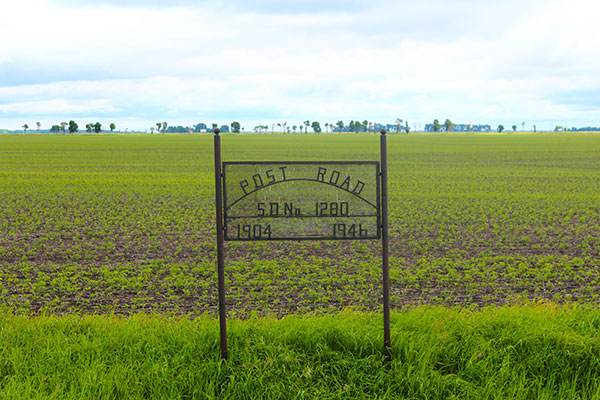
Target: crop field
x,y
108,273
122,224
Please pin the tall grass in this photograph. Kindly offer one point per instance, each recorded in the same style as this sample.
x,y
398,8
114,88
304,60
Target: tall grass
x,y
539,351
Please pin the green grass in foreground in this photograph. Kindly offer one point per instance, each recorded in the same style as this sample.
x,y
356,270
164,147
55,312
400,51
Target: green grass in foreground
x,y
537,351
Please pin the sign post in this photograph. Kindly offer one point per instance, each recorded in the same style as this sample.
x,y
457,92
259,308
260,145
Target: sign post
x,y
301,200
220,249
384,246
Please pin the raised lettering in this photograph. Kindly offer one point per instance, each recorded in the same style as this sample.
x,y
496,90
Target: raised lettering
x,y
321,174
283,172
363,232
288,209
244,184
334,178
346,184
270,176
258,183
358,188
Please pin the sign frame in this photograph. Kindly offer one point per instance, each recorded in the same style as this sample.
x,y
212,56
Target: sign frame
x,y
377,205
382,203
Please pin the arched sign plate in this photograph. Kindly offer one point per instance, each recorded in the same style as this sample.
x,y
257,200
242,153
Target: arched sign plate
x,y
301,200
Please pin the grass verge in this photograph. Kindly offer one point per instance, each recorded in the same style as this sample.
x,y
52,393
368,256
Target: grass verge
x,y
530,351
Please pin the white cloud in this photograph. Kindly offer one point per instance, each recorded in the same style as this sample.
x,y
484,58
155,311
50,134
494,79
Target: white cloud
x,y
59,107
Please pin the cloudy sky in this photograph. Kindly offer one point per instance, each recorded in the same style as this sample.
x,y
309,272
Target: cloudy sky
x,y
137,62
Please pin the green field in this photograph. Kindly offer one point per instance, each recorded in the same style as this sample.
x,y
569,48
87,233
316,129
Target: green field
x,y
126,223
93,227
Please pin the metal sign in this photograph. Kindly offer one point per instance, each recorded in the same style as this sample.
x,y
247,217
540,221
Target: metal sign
x,y
301,200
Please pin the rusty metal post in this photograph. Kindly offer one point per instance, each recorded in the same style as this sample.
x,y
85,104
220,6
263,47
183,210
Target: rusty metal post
x,y
220,249
384,246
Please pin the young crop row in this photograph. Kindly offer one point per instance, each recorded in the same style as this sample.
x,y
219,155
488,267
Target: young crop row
x,y
299,285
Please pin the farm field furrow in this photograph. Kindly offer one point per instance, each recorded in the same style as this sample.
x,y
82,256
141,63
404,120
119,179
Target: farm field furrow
x,y
115,223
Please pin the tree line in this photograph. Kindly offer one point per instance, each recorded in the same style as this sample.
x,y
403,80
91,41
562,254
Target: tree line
x,y
450,126
339,126
357,126
72,127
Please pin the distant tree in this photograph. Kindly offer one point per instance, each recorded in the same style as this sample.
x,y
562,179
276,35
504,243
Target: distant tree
x,y
306,125
25,127
365,125
279,125
235,127
523,126
97,127
224,129
177,129
199,127
340,125
558,128
55,129
294,127
514,128
151,130
500,128
316,126
351,126
39,125
284,127
398,124
73,126
158,126
326,126
89,127
469,128
448,125
63,126
436,125
112,126
357,126
164,127
534,128
406,127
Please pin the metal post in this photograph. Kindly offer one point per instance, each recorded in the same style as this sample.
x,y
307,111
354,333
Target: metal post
x,y
220,250
384,246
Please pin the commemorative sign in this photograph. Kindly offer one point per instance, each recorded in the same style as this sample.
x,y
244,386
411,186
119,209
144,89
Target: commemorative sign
x,y
301,200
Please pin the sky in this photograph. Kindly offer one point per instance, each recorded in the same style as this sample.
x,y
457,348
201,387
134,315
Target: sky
x,y
138,62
